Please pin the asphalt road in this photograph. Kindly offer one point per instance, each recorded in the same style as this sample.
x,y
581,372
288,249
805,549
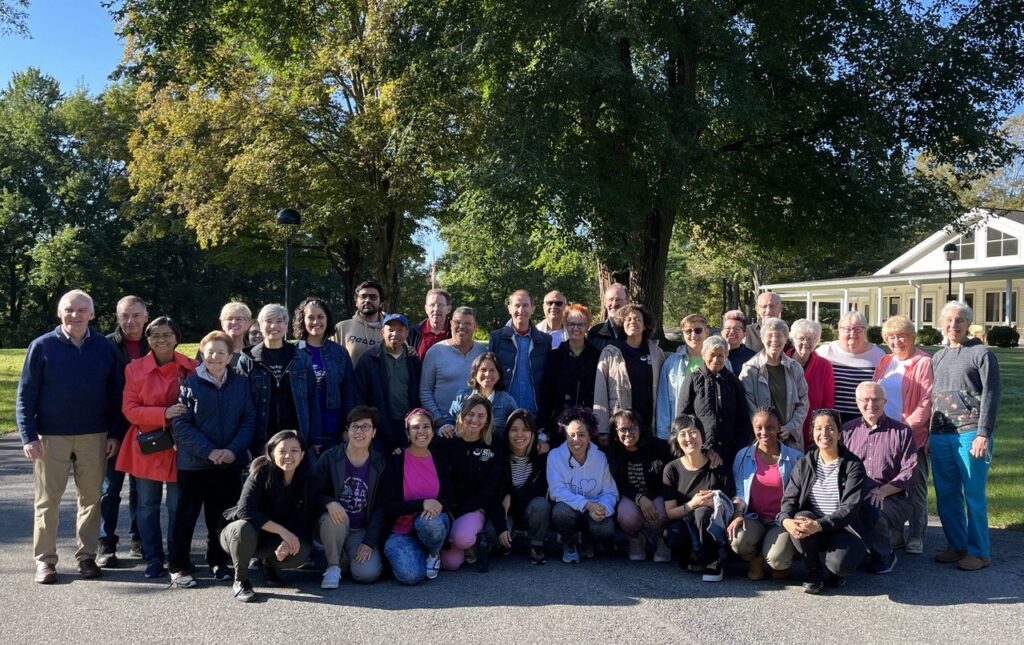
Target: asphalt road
x,y
608,600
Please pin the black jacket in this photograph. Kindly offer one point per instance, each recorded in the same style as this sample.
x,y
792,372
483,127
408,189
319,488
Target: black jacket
x,y
536,485
568,381
719,402
372,389
476,472
654,454
603,334
329,484
393,487
796,498
266,498
117,337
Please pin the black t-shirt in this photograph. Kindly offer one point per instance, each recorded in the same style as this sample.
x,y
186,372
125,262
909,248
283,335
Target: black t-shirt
x,y
281,415
682,484
641,379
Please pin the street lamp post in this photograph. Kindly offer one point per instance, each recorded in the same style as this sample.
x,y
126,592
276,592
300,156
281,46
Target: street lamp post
x,y
951,252
288,217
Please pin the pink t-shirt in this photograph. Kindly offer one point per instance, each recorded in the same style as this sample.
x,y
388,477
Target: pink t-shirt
x,y
419,482
766,489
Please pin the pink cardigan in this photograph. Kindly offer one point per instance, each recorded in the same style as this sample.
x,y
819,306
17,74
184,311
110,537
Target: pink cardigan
x,y
821,390
917,393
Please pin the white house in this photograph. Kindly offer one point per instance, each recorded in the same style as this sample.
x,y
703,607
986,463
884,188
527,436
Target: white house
x,y
987,273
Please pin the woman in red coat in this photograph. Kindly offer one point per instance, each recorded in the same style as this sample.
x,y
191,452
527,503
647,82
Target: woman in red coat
x,y
150,402
821,384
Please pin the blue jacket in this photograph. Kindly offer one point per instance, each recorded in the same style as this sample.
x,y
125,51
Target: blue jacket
x,y
68,390
745,466
216,418
341,391
303,386
503,344
372,389
502,405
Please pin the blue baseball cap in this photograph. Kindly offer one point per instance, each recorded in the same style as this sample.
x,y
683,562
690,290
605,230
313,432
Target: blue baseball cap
x,y
399,317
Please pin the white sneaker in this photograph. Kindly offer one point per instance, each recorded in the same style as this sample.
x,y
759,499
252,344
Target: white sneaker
x,y
182,580
637,548
662,553
332,577
433,566
915,546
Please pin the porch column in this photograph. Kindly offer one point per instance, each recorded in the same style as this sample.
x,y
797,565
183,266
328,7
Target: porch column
x,y
817,312
961,296
810,305
1008,314
917,307
844,306
878,307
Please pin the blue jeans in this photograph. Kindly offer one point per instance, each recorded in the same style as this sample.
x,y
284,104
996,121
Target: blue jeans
x,y
150,494
408,552
110,503
961,478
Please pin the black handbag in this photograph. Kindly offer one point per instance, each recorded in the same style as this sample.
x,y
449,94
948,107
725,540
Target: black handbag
x,y
155,441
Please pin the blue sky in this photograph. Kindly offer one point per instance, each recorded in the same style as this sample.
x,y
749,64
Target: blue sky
x,y
70,40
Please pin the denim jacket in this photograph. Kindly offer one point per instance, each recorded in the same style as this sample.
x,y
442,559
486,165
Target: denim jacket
x,y
340,377
745,466
303,386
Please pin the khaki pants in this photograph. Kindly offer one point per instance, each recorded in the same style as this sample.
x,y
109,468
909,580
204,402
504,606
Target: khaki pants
x,y
764,538
86,455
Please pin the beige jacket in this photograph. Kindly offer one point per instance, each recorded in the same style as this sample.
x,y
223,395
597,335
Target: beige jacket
x,y
612,390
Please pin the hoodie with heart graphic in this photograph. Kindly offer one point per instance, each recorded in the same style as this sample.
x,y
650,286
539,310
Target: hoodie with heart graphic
x,y
576,483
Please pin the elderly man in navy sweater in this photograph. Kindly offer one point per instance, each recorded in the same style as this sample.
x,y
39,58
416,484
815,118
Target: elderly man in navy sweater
x,y
67,410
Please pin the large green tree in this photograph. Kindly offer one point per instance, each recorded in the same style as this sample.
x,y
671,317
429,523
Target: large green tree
x,y
793,123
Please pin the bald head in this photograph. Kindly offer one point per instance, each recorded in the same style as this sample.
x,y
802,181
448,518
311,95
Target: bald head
x,y
554,309
871,401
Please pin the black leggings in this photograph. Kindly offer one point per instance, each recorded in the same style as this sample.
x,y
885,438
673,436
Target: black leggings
x,y
690,538
843,550
212,491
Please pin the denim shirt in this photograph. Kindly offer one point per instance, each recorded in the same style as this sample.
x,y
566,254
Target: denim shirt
x,y
744,467
303,386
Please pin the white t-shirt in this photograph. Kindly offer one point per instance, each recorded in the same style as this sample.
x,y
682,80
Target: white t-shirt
x,y
892,383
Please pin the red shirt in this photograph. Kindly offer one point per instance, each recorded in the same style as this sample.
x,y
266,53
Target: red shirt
x,y
428,338
133,348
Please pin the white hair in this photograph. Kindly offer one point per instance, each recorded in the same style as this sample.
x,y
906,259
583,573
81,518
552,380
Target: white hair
x,y
855,317
272,310
71,295
960,308
807,326
712,343
774,324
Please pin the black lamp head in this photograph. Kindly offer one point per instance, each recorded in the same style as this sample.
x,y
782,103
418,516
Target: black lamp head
x,y
950,250
289,217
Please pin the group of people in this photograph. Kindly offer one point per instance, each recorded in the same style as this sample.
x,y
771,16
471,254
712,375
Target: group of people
x,y
378,443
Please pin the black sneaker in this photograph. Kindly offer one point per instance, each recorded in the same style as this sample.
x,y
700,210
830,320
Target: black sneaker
x,y
832,580
815,581
272,576
483,551
537,555
221,573
243,591
106,560
88,568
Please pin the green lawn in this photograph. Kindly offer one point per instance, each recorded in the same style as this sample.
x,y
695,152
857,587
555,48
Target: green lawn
x,y
1006,492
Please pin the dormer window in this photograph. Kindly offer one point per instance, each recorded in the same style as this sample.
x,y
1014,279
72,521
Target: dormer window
x,y
965,246
1000,244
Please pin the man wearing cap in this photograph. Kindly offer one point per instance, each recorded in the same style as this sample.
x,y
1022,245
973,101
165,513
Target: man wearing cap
x,y
388,378
554,318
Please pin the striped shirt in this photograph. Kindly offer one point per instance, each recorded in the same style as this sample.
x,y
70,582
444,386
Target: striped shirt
x,y
850,370
521,468
825,492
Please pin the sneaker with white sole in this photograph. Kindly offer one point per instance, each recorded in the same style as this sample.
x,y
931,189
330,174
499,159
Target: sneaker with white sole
x,y
570,554
662,553
332,578
182,580
915,546
637,548
433,566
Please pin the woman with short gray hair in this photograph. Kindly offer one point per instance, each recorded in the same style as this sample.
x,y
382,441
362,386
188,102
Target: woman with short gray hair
x,y
853,361
773,379
716,397
821,381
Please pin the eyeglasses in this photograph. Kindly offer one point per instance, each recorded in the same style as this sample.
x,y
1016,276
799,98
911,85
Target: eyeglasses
x,y
236,319
694,330
852,330
554,303
462,323
576,325
360,428
628,430
162,336
733,330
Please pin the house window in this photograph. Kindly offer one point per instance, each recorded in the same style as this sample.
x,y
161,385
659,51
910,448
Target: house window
x,y
965,247
1000,244
969,300
894,305
867,313
928,304
994,312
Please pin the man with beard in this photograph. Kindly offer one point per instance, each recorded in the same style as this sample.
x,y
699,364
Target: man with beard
x,y
363,331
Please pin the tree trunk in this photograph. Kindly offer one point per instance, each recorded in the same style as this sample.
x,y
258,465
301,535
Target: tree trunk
x,y
390,258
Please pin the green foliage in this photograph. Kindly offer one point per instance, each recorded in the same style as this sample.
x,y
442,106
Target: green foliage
x,y
1000,336
928,335
828,334
874,334
13,18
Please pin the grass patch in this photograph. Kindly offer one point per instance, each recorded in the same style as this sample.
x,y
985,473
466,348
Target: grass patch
x,y
1005,492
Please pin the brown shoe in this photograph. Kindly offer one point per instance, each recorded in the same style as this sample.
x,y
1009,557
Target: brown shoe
x,y
973,563
46,574
87,568
780,574
949,556
756,569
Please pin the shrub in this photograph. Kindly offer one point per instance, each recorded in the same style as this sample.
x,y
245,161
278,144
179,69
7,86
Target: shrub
x,y
1003,336
827,334
929,336
875,335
